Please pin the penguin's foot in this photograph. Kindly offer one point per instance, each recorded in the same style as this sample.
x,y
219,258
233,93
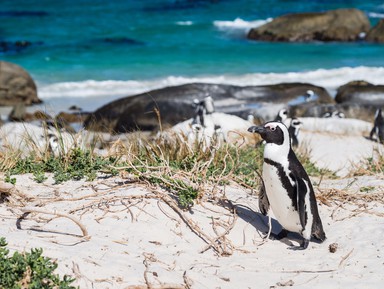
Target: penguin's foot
x,y
283,234
303,246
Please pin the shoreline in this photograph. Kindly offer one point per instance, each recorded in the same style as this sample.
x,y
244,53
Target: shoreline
x,y
90,94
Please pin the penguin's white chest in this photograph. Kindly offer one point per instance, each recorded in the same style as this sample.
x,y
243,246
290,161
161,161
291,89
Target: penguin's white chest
x,y
280,202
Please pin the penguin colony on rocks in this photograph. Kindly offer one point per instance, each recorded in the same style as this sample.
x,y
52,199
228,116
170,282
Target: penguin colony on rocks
x,y
287,189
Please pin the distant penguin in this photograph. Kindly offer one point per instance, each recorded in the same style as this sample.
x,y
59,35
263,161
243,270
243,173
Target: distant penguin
x,y
195,135
378,126
218,137
282,115
293,130
203,108
309,94
199,112
334,114
338,114
287,187
327,114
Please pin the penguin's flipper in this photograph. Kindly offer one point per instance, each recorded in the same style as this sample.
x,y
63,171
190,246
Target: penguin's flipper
x,y
263,200
301,191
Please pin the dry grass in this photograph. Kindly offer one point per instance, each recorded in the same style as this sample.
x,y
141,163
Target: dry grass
x,y
167,161
372,166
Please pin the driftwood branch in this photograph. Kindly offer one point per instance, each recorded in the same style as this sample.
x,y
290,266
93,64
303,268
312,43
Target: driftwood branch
x,y
57,214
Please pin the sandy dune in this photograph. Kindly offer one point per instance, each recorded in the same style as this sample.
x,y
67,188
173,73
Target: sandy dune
x,y
133,236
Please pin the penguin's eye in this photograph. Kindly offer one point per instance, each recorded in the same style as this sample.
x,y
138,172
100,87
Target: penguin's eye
x,y
273,128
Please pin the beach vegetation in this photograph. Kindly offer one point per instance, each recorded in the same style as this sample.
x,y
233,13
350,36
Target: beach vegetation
x,y
367,189
75,165
313,170
371,166
29,270
187,171
170,163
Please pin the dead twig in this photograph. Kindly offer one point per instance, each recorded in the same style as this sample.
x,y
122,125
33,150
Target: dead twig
x,y
345,258
72,218
191,224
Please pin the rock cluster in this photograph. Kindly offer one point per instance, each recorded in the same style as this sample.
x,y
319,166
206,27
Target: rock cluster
x,y
16,85
334,25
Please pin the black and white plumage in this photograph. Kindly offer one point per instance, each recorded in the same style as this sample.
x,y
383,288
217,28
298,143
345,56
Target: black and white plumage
x,y
287,188
334,114
202,108
309,95
293,130
378,126
282,115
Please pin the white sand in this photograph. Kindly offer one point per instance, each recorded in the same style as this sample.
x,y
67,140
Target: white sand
x,y
144,243
338,144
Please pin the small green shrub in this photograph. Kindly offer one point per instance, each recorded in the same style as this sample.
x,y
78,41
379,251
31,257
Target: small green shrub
x,y
371,166
29,270
9,179
367,189
76,165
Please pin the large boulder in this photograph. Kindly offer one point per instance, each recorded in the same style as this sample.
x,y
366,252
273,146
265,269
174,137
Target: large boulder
x,y
16,86
333,25
364,112
171,105
376,34
356,99
361,92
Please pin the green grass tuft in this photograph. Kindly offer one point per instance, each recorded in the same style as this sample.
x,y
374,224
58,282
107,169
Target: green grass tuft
x,y
76,165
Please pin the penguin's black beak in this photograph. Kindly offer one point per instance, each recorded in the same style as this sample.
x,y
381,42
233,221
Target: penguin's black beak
x,y
257,129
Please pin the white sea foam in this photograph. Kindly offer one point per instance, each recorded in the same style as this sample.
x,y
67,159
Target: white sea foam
x,y
239,25
184,23
375,15
327,78
91,94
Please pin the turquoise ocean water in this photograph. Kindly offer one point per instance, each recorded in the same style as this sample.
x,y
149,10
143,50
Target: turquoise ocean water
x,y
91,52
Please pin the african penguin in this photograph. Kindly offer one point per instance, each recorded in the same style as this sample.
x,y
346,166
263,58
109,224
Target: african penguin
x,y
378,126
309,94
251,118
287,187
203,108
338,114
293,130
334,114
327,115
282,115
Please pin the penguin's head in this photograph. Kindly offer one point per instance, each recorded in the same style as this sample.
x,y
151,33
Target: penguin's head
x,y
272,132
309,94
282,114
296,123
